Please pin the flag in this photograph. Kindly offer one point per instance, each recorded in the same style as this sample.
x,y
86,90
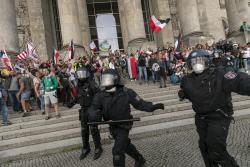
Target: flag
x,y
177,45
92,46
71,50
5,59
105,46
55,56
22,56
31,51
156,25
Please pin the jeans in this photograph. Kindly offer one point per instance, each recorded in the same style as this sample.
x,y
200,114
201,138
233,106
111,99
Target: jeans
x,y
246,63
41,99
236,64
14,101
141,71
163,81
4,111
154,76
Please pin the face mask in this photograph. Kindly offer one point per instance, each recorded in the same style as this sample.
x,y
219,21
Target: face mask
x,y
198,68
111,90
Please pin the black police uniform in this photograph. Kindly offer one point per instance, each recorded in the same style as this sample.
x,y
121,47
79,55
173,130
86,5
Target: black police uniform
x,y
116,106
210,94
86,90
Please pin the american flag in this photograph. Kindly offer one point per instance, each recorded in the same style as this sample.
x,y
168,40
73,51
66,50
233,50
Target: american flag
x,y
31,51
22,56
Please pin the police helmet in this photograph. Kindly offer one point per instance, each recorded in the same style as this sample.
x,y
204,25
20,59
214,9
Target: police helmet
x,y
110,79
198,60
82,73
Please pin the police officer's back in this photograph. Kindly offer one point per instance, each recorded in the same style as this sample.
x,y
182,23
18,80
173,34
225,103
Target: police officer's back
x,y
209,90
113,103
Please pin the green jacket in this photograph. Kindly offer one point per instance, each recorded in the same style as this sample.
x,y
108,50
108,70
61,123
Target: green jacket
x,y
50,83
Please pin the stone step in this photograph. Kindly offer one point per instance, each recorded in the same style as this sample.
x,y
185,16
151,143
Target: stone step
x,y
72,129
30,128
170,106
146,96
137,132
60,131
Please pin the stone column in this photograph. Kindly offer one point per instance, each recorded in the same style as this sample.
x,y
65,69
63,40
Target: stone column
x,y
84,22
237,12
8,26
233,16
134,19
211,19
123,23
188,15
37,28
69,19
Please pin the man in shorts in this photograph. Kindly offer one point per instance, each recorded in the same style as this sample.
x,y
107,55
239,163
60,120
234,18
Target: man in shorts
x,y
24,93
50,85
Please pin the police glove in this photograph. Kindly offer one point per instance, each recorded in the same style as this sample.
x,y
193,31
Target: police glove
x,y
158,106
181,95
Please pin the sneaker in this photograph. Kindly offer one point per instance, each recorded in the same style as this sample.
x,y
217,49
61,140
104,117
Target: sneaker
x,y
58,116
25,114
47,117
8,123
43,113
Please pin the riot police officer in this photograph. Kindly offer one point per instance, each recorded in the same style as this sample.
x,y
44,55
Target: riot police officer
x,y
113,103
209,90
86,88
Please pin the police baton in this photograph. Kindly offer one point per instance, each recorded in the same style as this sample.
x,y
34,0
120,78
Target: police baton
x,y
114,122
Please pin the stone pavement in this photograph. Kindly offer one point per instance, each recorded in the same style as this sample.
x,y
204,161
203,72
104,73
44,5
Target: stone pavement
x,y
171,149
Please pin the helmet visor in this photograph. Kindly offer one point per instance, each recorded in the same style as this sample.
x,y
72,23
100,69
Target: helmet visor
x,y
199,60
198,64
107,80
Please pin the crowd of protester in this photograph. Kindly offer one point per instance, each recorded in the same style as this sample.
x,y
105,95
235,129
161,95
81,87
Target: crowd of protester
x,y
48,84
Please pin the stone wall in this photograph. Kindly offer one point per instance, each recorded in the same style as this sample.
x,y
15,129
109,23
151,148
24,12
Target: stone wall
x,y
23,24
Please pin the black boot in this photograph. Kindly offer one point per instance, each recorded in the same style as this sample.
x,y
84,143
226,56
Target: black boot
x,y
134,153
98,153
97,141
85,152
119,160
140,162
85,140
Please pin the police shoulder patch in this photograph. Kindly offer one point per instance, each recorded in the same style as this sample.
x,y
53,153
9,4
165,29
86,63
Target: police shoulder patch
x,y
230,75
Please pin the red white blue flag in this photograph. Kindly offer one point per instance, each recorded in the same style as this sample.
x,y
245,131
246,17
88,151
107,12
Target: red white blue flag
x,y
157,25
55,56
92,46
71,50
5,60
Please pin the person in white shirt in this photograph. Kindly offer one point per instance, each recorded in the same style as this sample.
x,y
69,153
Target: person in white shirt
x,y
246,57
112,64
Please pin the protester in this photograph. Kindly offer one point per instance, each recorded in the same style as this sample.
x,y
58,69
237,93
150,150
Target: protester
x,y
24,93
39,90
13,89
50,85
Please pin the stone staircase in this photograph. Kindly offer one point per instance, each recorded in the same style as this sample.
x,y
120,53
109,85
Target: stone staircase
x,y
33,136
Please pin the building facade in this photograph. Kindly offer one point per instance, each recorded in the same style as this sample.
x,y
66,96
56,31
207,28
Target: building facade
x,y
54,23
